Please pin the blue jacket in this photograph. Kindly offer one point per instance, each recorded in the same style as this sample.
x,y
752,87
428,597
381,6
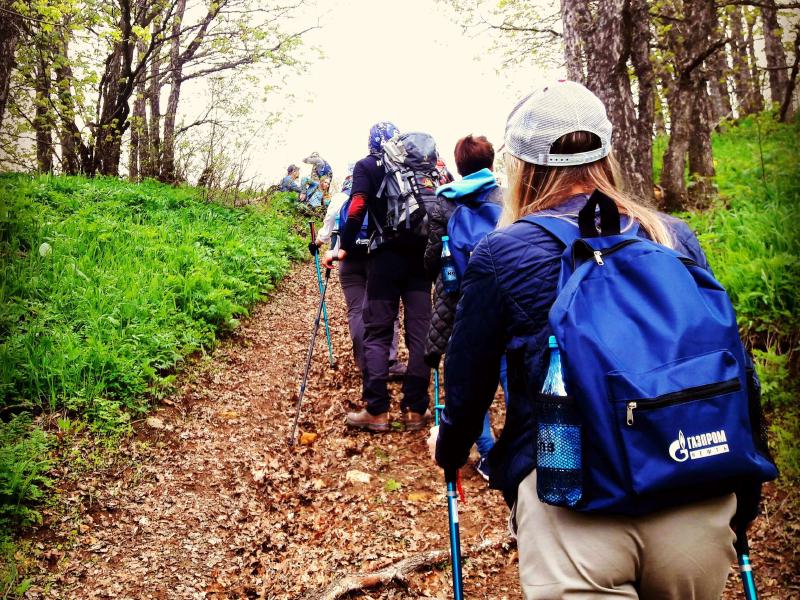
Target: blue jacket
x,y
288,184
507,292
474,183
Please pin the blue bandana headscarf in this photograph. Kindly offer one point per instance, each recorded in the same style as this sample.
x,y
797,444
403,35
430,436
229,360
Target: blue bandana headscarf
x,y
379,133
347,184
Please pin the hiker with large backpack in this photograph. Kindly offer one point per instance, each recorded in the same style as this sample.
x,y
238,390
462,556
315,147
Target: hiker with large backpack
x,y
659,404
466,212
393,186
320,168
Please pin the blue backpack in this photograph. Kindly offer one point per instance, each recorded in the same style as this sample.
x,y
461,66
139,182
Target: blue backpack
x,y
468,225
362,238
652,357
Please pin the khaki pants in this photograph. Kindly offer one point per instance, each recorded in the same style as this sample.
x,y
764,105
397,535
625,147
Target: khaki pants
x,y
682,553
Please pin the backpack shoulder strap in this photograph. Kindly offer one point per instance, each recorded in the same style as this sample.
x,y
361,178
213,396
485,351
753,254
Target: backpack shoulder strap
x,y
567,231
562,229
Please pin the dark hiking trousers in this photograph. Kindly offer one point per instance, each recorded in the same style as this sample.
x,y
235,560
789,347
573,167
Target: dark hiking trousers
x,y
353,279
395,273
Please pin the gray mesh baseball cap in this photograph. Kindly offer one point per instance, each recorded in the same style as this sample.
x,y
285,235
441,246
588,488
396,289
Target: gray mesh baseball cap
x,y
542,117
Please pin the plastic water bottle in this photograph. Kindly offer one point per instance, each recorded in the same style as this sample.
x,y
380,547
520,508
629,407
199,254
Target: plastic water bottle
x,y
449,275
558,451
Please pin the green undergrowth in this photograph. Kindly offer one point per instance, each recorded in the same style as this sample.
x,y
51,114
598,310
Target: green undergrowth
x,y
752,241
106,287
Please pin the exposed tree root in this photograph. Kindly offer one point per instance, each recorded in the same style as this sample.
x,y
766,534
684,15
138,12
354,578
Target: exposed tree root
x,y
397,572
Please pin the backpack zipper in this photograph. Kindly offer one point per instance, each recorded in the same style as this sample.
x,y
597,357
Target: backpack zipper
x,y
699,392
599,254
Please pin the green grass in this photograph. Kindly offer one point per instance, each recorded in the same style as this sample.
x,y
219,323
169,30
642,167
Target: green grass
x,y
106,287
752,240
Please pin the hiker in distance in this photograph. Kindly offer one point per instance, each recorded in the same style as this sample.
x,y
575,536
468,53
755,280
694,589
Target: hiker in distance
x,y
289,183
395,270
674,334
478,186
320,169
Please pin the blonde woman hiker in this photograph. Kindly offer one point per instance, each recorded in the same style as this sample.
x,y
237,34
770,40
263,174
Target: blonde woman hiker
x,y
655,523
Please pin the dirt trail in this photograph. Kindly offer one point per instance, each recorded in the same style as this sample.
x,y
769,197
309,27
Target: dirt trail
x,y
214,504
219,506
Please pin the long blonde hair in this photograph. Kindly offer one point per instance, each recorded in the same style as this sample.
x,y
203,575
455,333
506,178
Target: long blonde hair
x,y
534,188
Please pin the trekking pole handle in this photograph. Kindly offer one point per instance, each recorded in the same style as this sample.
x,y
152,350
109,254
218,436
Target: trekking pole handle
x,y
313,231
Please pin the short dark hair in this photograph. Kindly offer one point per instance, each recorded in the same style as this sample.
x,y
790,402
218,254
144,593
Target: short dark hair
x,y
473,154
292,169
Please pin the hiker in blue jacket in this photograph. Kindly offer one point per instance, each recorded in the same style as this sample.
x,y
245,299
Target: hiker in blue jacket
x,y
289,183
474,162
557,143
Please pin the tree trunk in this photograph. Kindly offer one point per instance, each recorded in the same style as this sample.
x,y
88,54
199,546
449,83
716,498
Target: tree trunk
x,y
607,76
774,52
605,38
786,107
69,136
703,121
152,166
139,142
176,74
10,27
43,122
674,163
719,72
572,16
118,85
701,158
638,24
742,82
108,130
691,41
757,102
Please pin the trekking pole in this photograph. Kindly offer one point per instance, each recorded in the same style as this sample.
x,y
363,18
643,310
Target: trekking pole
x,y
452,504
308,357
324,308
745,568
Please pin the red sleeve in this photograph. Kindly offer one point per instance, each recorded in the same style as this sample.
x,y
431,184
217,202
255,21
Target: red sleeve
x,y
355,217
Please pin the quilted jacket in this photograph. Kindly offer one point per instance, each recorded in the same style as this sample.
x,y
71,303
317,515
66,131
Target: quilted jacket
x,y
444,304
507,292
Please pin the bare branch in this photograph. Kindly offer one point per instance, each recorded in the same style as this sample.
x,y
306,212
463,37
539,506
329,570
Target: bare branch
x,y
700,58
396,572
786,6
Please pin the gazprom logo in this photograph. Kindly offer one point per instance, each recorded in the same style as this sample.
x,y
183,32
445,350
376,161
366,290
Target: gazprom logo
x,y
703,445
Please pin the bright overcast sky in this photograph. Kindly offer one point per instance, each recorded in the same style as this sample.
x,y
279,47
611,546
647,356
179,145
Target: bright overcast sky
x,y
407,62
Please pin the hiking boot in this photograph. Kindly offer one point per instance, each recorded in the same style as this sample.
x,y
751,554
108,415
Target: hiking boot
x,y
397,371
415,421
364,420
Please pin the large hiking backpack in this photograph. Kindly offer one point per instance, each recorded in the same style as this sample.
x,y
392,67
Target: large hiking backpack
x,y
362,237
409,185
324,170
653,360
469,224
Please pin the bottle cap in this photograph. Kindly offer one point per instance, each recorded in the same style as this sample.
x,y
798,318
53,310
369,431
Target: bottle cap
x,y
551,342
445,238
